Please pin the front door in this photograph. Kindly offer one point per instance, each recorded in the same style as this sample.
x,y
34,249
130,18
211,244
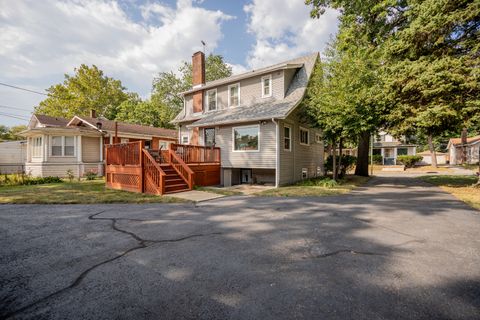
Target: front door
x,y
388,157
209,137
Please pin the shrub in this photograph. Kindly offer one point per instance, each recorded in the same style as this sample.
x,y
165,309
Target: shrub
x,y
377,159
70,175
347,163
409,161
23,179
90,175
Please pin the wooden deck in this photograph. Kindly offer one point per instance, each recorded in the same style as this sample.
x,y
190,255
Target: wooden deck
x,y
131,167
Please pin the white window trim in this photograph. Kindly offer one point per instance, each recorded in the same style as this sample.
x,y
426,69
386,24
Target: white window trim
x,y
263,86
300,136
240,127
305,170
207,106
41,146
289,136
318,138
229,96
63,147
188,139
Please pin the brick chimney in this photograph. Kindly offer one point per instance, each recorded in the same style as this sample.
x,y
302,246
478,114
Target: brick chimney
x,y
198,69
93,113
198,79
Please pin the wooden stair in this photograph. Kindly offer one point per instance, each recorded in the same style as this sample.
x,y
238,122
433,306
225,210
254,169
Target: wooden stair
x,y
173,181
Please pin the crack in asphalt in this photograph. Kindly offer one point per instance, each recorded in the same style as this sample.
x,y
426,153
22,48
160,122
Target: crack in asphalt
x,y
334,253
142,244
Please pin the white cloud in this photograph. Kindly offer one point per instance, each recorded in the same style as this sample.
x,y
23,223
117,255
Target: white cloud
x,y
42,40
284,30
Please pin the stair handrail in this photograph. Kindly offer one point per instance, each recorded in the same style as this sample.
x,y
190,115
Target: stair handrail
x,y
152,162
181,167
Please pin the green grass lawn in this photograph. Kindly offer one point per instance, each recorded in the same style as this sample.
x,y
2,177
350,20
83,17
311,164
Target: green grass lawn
x,y
221,191
316,187
459,186
93,191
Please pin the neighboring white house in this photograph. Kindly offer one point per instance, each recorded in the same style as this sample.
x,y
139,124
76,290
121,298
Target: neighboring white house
x,y
12,156
472,149
390,148
442,158
55,145
255,119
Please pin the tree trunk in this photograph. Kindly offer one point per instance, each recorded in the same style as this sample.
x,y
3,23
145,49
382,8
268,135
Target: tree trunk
x,y
464,145
433,154
334,159
363,150
340,148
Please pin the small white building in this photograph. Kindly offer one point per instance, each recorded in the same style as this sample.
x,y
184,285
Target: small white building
x,y
472,149
442,158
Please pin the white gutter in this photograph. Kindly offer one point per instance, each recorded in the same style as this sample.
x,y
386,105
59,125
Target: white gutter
x,y
277,151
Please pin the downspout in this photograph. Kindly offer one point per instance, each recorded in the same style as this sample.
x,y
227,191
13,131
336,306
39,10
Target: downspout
x,y
277,158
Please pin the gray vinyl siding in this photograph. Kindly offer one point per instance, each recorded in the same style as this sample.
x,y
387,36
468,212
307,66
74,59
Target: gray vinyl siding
x,y
301,156
263,159
250,91
90,149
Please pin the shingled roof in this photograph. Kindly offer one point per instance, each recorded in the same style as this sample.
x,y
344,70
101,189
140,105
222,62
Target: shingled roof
x,y
107,125
456,141
268,109
124,127
49,121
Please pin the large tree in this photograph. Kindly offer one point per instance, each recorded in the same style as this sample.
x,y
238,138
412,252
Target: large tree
x,y
87,89
12,133
364,25
432,69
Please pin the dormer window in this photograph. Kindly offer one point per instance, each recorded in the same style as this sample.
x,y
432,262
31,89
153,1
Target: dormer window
x,y
234,95
211,100
267,86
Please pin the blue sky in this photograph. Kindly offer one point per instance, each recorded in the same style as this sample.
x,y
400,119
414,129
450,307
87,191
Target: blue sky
x,y
133,40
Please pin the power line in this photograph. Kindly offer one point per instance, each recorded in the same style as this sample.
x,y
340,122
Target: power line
x,y
15,108
13,116
24,89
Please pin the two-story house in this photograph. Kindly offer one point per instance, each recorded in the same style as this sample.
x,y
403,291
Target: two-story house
x,y
254,118
390,148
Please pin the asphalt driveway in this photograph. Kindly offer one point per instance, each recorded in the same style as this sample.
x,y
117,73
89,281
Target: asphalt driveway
x,y
394,249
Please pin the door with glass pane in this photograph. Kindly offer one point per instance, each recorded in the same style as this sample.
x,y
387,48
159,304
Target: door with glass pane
x,y
209,137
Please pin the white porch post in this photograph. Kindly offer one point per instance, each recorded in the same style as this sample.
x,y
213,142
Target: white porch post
x,y
29,145
111,139
79,149
45,148
395,155
101,148
383,155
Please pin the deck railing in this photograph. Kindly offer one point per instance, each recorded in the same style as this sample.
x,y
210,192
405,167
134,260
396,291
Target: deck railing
x,y
196,154
153,175
181,167
124,154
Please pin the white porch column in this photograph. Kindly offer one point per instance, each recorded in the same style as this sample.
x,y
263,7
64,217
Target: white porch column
x,y
29,146
101,149
383,155
79,148
395,155
45,148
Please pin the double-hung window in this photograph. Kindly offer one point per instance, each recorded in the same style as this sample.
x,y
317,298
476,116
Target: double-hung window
x,y
234,95
287,138
304,136
246,138
37,147
267,86
211,100
63,146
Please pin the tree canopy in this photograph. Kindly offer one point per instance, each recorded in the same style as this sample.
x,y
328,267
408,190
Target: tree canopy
x,y
87,89
12,133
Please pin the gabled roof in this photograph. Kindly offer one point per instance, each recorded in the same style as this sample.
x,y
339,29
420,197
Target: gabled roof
x,y
264,108
456,141
107,125
124,127
49,121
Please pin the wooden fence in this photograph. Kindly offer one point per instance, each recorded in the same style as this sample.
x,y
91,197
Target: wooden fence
x,y
124,170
